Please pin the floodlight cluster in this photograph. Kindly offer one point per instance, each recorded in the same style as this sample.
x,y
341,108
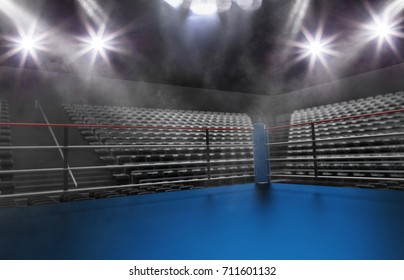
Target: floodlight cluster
x,y
209,7
204,7
313,46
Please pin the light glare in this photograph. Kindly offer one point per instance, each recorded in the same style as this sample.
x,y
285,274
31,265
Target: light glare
x,y
204,7
384,27
98,44
382,30
315,48
27,44
209,7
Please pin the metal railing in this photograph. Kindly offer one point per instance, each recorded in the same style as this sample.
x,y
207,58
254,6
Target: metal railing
x,y
67,170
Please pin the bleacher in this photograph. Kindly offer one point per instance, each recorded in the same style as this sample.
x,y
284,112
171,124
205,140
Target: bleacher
x,y
162,155
160,159
165,150
340,158
6,161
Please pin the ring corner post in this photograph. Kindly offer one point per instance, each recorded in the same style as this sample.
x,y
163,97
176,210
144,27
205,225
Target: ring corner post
x,y
262,170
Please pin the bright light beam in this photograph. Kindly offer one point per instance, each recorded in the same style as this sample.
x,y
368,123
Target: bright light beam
x,y
394,9
93,10
296,16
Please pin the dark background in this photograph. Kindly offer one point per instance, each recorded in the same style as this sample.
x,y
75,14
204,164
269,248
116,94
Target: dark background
x,y
235,50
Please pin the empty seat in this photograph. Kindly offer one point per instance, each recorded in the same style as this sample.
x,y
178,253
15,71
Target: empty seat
x,y
182,161
369,157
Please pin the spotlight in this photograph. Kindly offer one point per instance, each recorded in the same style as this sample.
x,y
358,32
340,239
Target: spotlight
x,y
384,27
97,44
27,44
315,48
204,7
383,30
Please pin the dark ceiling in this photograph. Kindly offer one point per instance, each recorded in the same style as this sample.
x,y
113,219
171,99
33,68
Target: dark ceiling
x,y
235,50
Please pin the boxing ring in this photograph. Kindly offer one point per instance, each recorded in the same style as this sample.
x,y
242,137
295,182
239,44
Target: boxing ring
x,y
241,221
265,154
